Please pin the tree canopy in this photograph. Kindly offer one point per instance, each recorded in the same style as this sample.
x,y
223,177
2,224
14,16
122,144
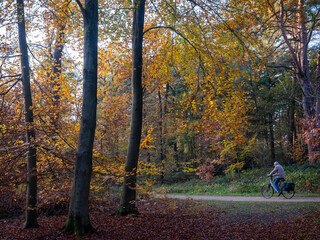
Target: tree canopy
x,y
225,86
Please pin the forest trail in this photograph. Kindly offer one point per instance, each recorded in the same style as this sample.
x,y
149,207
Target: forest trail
x,y
275,198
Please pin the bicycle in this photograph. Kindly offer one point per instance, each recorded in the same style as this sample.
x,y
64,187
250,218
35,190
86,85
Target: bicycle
x,y
268,190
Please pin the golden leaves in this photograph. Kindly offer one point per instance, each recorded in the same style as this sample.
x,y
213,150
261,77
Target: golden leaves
x,y
148,139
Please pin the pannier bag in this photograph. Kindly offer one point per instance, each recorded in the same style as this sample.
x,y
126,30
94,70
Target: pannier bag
x,y
289,186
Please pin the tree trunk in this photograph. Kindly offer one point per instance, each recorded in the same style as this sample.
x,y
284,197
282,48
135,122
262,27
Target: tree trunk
x,y
31,202
78,217
56,71
304,74
300,59
271,137
267,160
318,88
161,140
292,128
270,125
128,198
317,117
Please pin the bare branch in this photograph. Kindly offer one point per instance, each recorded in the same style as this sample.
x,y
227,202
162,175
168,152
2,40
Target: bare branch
x,y
177,32
174,30
12,56
279,66
9,76
222,21
284,35
313,25
81,7
4,93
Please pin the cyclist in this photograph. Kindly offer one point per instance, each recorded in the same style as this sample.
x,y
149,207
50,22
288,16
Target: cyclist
x,y
278,173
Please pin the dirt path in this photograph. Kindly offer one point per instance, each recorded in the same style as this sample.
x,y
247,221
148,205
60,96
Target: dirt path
x,y
242,199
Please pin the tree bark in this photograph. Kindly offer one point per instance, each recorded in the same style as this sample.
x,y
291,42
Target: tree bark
x,y
270,125
31,202
161,138
292,128
271,137
56,72
317,117
305,76
308,99
78,217
301,63
318,88
128,198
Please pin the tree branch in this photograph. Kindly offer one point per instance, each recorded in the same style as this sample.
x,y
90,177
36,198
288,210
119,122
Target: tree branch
x,y
12,56
284,35
174,30
9,76
279,66
220,19
4,93
81,7
313,25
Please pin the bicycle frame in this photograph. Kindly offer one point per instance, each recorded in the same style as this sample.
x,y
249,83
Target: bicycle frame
x,y
272,184
266,193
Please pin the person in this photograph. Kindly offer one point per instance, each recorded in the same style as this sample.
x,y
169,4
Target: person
x,y
279,175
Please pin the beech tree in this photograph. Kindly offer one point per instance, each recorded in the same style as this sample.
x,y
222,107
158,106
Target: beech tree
x,y
31,211
57,58
198,61
78,217
127,202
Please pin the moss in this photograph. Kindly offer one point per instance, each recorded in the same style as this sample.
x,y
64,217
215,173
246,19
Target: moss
x,y
74,225
79,229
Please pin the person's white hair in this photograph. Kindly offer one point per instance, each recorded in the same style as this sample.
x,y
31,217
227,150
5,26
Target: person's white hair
x,y
275,163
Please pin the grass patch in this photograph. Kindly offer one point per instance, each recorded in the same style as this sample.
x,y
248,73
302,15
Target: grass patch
x,y
249,182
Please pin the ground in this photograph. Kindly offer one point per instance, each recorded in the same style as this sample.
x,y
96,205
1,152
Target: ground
x,y
242,198
166,218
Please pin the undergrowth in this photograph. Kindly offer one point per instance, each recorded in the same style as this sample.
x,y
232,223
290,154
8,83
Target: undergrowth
x,y
248,182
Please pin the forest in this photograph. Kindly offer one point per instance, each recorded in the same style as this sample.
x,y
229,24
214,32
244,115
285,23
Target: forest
x,y
102,103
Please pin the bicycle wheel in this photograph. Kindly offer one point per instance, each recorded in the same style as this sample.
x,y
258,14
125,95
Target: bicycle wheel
x,y
267,191
287,194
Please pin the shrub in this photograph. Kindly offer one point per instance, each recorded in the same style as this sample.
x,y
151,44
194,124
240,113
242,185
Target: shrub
x,y
306,177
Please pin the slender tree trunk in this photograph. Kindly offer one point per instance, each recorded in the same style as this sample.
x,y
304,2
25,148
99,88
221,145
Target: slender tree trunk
x,y
162,113
161,140
56,68
318,88
128,198
31,203
270,126
292,128
305,76
266,160
56,71
78,217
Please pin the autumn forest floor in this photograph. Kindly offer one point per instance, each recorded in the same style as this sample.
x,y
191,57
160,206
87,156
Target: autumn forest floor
x,y
182,219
